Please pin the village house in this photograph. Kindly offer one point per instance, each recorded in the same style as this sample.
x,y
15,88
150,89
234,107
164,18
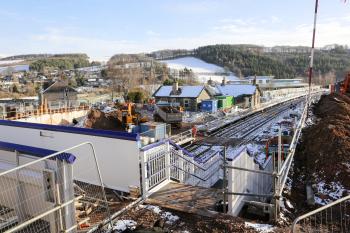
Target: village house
x,y
188,97
59,93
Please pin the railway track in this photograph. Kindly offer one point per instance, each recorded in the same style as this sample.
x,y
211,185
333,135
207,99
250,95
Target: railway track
x,y
246,130
243,128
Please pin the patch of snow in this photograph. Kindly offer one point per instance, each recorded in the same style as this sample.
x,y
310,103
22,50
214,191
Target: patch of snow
x,y
319,201
81,123
153,208
262,228
170,218
289,205
167,216
189,117
108,109
257,151
123,225
327,193
232,152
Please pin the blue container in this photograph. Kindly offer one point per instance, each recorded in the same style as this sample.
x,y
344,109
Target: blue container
x,y
144,127
154,130
135,129
210,105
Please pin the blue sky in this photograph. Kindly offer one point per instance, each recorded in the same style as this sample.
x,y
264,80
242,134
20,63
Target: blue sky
x,y
102,28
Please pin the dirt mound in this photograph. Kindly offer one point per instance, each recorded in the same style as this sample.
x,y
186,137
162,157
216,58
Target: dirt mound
x,y
323,155
327,143
96,119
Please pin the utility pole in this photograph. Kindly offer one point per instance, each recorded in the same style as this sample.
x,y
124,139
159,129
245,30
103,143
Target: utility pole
x,y
312,54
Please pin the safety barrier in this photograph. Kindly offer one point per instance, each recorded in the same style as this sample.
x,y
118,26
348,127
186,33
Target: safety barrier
x,y
42,194
333,217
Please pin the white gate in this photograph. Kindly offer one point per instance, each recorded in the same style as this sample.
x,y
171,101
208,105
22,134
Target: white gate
x,y
165,161
155,165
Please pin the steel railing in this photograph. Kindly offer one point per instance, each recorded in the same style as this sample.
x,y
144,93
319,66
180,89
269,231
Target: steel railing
x,y
325,218
40,193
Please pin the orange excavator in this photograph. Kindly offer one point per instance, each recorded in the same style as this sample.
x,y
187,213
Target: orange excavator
x,y
128,115
345,86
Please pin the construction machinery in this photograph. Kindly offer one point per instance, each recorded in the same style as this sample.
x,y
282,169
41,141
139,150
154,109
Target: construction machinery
x,y
128,115
168,113
345,86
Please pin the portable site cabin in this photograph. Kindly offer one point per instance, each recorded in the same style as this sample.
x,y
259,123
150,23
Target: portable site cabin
x,y
225,101
245,95
210,105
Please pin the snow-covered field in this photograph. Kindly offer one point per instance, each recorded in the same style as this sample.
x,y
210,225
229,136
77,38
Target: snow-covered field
x,y
10,61
203,70
197,65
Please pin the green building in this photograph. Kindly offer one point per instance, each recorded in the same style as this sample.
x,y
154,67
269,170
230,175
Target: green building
x,y
225,101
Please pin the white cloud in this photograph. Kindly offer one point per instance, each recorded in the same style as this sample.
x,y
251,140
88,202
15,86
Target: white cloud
x,y
152,33
60,41
232,31
258,31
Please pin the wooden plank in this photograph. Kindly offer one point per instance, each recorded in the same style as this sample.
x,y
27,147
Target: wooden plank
x,y
186,198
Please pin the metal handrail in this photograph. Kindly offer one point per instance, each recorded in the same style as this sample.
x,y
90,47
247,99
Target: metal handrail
x,y
317,211
195,176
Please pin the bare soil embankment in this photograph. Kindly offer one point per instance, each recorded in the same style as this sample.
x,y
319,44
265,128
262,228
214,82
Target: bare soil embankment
x,y
323,155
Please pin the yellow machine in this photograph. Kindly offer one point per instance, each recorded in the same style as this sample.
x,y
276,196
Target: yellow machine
x,y
128,115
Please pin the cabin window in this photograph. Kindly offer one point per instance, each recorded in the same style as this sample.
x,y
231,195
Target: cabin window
x,y
186,103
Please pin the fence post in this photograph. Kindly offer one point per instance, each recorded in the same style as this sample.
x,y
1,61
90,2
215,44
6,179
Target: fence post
x,y
181,166
275,187
192,170
144,179
167,162
22,208
66,193
230,186
279,158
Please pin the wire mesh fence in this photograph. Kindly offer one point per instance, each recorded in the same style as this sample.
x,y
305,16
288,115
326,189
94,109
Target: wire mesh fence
x,y
55,193
334,217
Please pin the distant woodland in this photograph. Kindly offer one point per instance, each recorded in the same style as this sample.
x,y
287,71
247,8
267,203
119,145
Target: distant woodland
x,y
279,61
60,62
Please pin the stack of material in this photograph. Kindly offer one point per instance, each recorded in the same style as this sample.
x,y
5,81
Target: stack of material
x,y
96,119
